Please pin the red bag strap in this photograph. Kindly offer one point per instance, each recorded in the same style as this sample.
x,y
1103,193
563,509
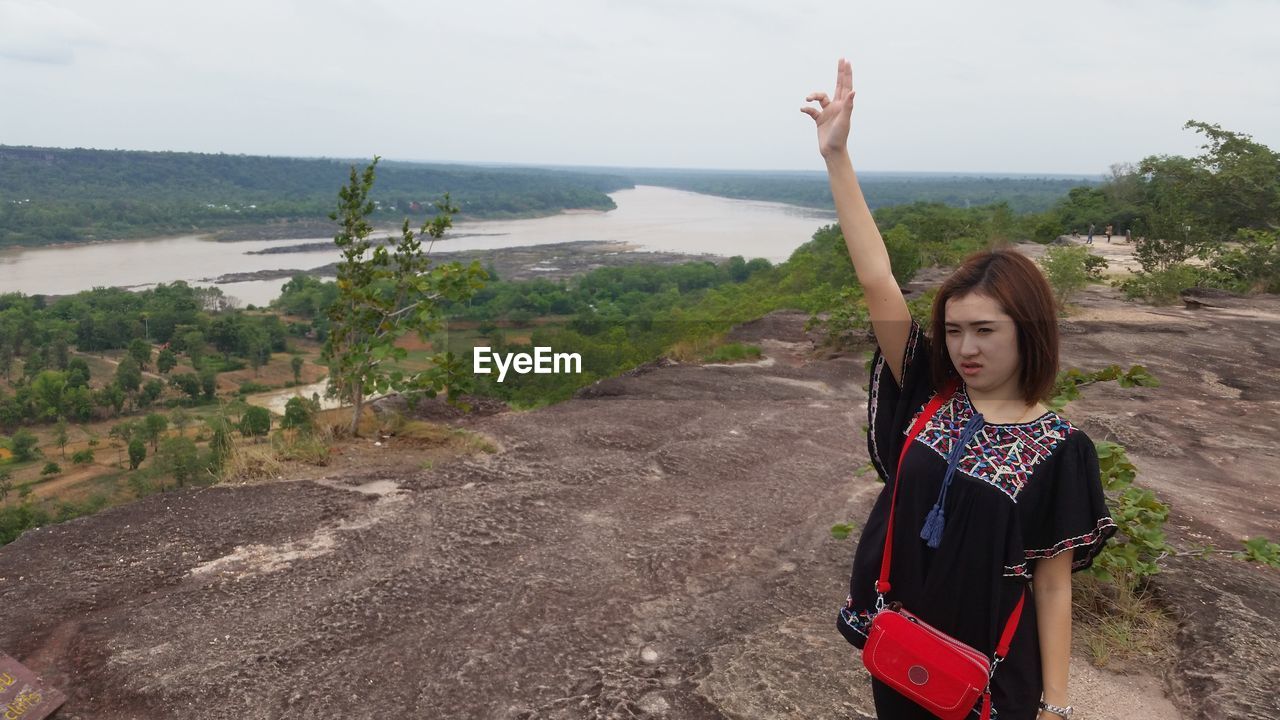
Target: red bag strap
x,y
1010,626
882,585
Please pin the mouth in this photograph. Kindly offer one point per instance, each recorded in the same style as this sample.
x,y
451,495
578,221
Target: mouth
x,y
970,367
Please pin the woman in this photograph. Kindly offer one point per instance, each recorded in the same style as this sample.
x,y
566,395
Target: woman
x,y
1024,507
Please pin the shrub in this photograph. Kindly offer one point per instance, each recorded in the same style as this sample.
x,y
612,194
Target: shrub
x,y
1162,287
732,352
1065,269
82,457
51,468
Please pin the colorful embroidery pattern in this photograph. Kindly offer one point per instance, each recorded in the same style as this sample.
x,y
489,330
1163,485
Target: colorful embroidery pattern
x,y
873,402
1104,529
1019,571
1003,456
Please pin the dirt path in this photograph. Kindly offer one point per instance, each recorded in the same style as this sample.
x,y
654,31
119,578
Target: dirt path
x,y
658,547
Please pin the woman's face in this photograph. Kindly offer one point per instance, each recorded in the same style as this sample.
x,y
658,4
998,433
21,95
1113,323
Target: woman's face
x,y
983,343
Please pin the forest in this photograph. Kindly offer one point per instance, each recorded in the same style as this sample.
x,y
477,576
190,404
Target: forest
x,y
50,195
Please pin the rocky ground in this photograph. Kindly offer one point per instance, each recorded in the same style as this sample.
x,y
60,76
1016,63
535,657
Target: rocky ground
x,y
657,547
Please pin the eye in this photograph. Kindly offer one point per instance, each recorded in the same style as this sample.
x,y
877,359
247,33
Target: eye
x,y
982,330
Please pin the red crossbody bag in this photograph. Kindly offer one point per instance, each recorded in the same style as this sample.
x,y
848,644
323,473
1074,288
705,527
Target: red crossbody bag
x,y
933,669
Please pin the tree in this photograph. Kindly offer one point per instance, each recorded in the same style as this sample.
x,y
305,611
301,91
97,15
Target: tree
x,y
50,469
137,453
77,373
166,361
140,351
120,435
296,364
180,419
111,396
187,383
299,413
153,427
6,484
60,435
23,443
208,382
256,422
180,458
383,292
151,391
129,374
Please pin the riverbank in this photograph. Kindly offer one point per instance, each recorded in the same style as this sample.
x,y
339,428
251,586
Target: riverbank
x,y
556,261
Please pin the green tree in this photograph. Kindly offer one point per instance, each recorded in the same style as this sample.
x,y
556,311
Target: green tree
x,y
166,361
137,453
208,382
151,391
77,373
299,413
120,434
153,428
60,437
50,469
188,383
296,364
111,396
140,351
23,443
383,292
180,420
129,374
6,484
180,458
256,422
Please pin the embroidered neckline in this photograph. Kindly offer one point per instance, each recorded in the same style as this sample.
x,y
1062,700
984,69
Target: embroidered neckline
x,y
964,392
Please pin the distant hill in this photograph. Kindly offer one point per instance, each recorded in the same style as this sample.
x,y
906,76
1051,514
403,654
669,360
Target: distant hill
x,y
52,195
1023,193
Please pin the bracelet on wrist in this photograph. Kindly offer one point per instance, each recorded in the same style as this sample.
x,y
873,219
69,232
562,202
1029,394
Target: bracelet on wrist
x,y
1062,712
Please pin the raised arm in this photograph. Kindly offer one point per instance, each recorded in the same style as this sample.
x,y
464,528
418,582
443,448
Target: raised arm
x,y
887,307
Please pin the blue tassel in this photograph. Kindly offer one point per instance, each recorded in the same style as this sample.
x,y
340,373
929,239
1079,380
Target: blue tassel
x,y
933,525
936,521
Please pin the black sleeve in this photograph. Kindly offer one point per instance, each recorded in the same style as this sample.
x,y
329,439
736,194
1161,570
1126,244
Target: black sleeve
x,y
1072,514
890,408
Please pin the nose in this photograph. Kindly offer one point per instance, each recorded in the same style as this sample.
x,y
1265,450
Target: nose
x,y
968,345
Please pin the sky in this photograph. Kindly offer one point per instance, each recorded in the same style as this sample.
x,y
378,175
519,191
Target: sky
x,y
978,86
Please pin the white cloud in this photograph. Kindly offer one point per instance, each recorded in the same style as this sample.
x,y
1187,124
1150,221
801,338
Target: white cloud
x,y
977,86
41,32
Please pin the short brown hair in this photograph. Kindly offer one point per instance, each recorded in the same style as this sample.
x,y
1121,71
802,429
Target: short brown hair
x,y
1012,280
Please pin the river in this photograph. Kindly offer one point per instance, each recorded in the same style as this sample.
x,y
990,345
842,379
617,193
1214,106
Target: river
x,y
652,218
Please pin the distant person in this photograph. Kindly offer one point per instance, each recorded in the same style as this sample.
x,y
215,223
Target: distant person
x,y
1128,235
998,493
1108,234
1090,240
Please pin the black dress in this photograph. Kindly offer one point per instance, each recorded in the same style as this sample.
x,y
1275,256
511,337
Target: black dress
x,y
1021,492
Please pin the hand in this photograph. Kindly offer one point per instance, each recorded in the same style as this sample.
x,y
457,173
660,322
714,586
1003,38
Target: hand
x,y
833,119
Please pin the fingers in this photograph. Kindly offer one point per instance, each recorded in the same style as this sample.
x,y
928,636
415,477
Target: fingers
x,y
844,80
810,112
821,97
